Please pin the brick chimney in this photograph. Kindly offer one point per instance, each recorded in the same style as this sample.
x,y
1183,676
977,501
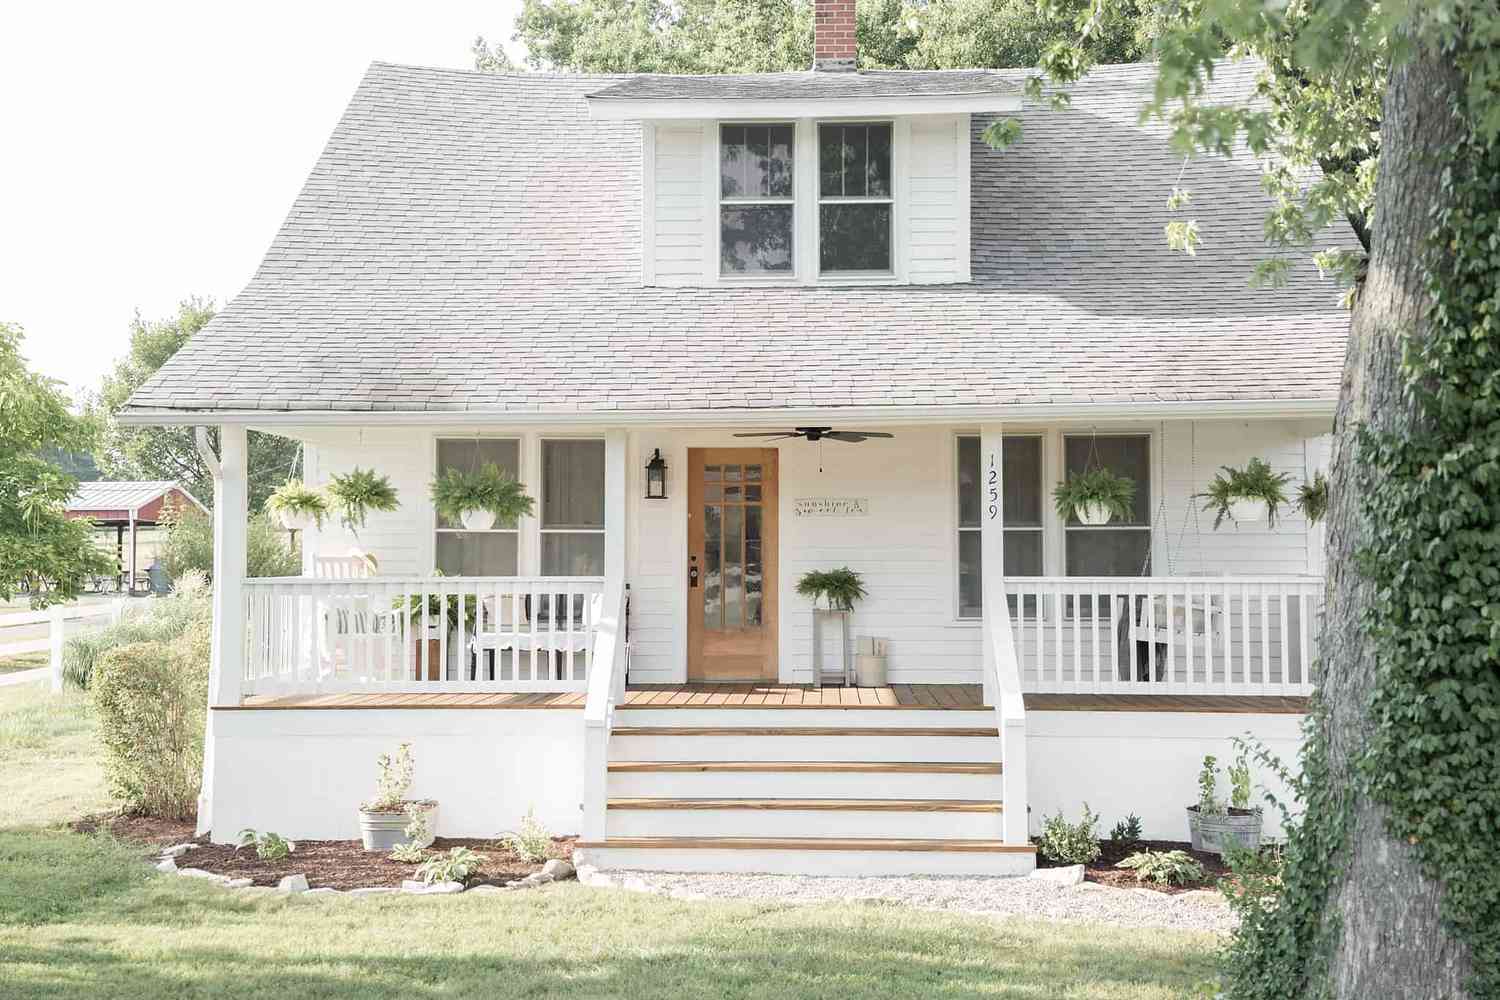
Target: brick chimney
x,y
833,35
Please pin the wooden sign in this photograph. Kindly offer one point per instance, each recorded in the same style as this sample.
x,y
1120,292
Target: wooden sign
x,y
831,506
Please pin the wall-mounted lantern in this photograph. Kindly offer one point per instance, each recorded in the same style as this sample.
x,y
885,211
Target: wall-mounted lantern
x,y
656,476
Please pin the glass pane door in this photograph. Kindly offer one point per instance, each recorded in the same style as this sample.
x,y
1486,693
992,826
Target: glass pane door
x,y
733,570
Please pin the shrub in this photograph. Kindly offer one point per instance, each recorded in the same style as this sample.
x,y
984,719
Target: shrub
x,y
151,699
530,841
1164,867
189,547
1070,843
1127,830
161,619
455,866
268,846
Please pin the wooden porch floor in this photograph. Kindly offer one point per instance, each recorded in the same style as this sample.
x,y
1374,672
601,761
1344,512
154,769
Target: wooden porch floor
x,y
928,697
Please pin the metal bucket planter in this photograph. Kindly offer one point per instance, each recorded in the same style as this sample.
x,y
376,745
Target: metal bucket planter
x,y
1214,833
385,831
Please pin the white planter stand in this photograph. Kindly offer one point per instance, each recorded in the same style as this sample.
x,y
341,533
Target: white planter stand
x,y
845,674
477,520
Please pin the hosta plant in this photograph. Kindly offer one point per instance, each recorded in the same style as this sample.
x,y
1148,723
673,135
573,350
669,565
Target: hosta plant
x,y
357,493
268,846
1256,481
838,588
1164,867
1095,489
529,841
409,853
487,488
1070,843
455,866
294,500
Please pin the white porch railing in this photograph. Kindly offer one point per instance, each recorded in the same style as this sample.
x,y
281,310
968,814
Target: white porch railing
x,y
1166,635
427,634
1002,689
606,690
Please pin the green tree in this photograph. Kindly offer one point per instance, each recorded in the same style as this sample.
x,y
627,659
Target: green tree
x,y
128,452
1388,887
41,550
757,36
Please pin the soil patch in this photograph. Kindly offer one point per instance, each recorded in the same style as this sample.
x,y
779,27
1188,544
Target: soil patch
x,y
344,864
147,830
1103,870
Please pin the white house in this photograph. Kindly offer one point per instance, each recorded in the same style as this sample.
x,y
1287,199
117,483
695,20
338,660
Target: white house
x,y
576,277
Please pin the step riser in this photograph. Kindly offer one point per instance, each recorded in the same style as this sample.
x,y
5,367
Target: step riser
x,y
771,717
803,785
875,747
782,862
782,823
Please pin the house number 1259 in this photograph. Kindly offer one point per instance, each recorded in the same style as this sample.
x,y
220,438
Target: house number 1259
x,y
992,482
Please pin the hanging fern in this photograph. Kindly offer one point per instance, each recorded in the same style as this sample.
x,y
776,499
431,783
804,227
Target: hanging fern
x,y
1312,498
488,488
357,493
1095,487
1256,481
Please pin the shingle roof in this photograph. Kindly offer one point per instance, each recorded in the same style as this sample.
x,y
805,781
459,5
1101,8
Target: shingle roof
x,y
471,242
124,495
811,85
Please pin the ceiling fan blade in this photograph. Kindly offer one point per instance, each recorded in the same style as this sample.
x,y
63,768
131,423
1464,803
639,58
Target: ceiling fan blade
x,y
766,434
869,434
850,437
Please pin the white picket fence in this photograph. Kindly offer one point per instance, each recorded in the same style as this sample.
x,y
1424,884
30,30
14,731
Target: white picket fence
x,y
57,619
420,634
1161,635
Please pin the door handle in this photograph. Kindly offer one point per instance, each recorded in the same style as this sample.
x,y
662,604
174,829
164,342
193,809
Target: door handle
x,y
693,571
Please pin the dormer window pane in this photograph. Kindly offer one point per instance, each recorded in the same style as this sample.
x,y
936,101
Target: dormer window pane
x,y
755,199
854,189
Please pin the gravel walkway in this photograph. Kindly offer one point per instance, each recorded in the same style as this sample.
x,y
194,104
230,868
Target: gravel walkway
x,y
993,896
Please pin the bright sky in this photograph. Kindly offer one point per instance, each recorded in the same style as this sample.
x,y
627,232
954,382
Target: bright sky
x,y
149,150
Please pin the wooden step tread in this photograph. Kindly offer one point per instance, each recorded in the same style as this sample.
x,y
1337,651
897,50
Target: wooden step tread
x,y
817,805
811,844
797,731
806,766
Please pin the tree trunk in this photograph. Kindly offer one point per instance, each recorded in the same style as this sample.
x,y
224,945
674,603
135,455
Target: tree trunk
x,y
1393,942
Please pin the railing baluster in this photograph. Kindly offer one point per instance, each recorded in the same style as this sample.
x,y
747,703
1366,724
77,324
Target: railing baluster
x,y
1306,602
1265,642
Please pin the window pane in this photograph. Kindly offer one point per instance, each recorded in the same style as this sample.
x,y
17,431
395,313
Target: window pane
x,y
468,454
485,553
878,164
572,484
969,575
572,554
1022,482
968,482
754,570
732,161
1124,455
755,161
854,161
1094,552
830,161
734,567
1023,553
855,237
756,239
713,609
778,170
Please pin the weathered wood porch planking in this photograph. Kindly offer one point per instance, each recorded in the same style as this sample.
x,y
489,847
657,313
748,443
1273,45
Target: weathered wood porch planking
x,y
955,697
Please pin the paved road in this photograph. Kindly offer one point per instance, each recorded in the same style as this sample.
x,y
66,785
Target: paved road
x,y
25,676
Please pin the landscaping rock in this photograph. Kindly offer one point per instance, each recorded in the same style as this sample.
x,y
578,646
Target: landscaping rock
x,y
177,850
199,873
538,878
321,890
166,865
374,890
1210,897
590,875
486,890
238,883
558,869
435,889
1071,875
293,883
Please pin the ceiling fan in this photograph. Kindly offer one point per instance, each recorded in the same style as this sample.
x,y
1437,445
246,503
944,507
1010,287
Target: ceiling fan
x,y
816,434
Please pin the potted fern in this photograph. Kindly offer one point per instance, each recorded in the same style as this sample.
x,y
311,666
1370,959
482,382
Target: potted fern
x,y
1254,493
839,589
1094,497
479,498
1312,498
297,506
357,493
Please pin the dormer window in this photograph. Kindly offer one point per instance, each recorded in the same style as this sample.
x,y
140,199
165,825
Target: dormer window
x,y
756,199
854,198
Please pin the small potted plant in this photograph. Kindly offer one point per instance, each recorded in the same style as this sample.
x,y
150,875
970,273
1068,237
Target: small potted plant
x,y
1094,497
1254,493
1213,825
838,589
297,505
385,819
1312,498
478,499
441,616
357,493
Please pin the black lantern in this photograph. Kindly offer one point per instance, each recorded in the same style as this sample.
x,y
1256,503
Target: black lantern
x,y
656,476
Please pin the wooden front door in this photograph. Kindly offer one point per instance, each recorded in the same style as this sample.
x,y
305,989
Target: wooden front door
x,y
731,564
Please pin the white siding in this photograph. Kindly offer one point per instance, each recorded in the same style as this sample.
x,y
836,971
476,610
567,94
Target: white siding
x,y
678,225
400,541
936,201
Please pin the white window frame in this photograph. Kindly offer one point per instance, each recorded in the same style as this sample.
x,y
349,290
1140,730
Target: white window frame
x,y
542,528
436,522
1151,464
821,200
959,528
720,202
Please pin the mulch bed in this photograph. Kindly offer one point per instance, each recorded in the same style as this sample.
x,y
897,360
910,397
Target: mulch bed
x,y
332,864
1103,870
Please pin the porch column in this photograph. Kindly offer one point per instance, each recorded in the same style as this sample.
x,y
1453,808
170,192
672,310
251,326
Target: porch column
x,y
616,478
231,512
991,539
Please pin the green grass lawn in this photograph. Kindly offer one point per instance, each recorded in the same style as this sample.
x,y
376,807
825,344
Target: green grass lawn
x,y
84,916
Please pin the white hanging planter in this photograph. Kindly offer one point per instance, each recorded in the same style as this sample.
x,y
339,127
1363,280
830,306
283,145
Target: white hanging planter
x,y
477,520
1249,511
1093,514
297,520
